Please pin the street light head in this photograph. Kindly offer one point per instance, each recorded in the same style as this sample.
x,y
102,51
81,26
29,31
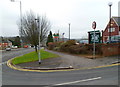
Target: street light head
x,y
110,3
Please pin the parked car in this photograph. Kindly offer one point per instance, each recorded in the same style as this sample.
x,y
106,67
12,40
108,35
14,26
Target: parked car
x,y
8,49
25,46
114,39
14,47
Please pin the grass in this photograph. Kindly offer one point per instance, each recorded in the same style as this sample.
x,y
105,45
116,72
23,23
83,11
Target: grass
x,y
33,56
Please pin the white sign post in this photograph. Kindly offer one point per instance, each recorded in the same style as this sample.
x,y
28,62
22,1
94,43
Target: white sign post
x,y
94,27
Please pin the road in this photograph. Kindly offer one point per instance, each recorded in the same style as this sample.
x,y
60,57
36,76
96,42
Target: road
x,y
15,52
6,55
99,76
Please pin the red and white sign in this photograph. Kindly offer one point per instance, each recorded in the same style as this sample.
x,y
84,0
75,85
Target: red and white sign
x,y
94,25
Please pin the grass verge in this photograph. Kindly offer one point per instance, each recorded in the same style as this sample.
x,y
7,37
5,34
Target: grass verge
x,y
33,56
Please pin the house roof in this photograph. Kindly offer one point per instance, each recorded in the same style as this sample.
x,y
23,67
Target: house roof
x,y
117,20
5,41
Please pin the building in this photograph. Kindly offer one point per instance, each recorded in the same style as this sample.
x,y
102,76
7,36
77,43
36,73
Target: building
x,y
4,44
114,33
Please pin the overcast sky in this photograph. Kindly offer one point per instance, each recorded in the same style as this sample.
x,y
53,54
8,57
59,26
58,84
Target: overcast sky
x,y
79,13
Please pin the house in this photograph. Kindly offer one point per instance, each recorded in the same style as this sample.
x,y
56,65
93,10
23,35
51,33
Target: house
x,y
4,44
114,33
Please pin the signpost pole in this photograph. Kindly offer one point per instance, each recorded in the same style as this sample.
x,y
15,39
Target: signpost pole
x,y
94,26
94,45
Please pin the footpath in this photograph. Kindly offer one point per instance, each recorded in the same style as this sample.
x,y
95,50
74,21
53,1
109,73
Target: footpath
x,y
67,60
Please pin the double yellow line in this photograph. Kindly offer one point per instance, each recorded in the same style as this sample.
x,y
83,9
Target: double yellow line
x,y
20,69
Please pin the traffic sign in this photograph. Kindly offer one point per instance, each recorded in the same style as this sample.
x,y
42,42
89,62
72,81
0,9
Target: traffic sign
x,y
94,25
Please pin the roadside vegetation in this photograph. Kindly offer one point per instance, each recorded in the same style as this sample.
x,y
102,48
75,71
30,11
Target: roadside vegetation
x,y
71,47
33,56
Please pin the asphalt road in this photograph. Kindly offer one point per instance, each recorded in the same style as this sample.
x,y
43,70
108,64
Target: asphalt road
x,y
99,76
104,76
6,55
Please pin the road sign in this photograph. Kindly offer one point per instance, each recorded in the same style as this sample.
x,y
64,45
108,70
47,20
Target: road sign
x,y
97,36
94,25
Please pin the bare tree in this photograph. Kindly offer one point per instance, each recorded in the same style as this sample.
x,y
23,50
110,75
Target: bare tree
x,y
30,30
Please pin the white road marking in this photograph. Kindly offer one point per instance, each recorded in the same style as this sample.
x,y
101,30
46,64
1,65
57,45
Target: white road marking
x,y
3,63
66,83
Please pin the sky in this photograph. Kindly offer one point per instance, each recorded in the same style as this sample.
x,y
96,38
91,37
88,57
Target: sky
x,y
79,13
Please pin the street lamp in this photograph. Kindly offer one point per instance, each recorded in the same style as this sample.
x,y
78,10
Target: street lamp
x,y
110,4
39,41
20,15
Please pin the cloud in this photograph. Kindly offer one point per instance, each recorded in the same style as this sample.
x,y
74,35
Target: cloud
x,y
80,13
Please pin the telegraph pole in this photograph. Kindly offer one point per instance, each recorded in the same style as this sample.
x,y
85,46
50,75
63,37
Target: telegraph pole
x,y
69,31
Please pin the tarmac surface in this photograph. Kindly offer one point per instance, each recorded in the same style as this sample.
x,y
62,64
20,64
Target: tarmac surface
x,y
67,60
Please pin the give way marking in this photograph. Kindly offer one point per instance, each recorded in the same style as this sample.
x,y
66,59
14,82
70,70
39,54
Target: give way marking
x,y
67,83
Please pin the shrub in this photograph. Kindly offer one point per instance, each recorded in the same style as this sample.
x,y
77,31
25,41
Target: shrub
x,y
75,49
78,49
57,49
51,45
98,48
71,42
57,44
65,46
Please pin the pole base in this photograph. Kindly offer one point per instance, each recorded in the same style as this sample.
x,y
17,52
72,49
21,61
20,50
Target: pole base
x,y
39,63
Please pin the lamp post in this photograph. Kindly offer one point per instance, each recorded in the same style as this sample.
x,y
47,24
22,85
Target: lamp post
x,y
20,16
110,4
39,41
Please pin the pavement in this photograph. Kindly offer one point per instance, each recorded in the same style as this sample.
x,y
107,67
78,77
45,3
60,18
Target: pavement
x,y
67,61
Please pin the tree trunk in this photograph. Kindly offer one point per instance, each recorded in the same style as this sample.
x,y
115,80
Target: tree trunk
x,y
35,48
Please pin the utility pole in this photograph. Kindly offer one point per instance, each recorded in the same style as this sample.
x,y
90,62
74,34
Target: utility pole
x,y
69,31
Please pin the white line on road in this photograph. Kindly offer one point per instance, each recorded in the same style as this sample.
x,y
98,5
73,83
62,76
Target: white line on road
x,y
66,83
3,63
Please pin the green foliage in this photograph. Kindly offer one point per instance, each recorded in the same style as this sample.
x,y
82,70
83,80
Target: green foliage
x,y
33,56
50,38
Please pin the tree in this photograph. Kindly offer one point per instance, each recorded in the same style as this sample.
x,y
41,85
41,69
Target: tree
x,y
30,28
17,41
50,38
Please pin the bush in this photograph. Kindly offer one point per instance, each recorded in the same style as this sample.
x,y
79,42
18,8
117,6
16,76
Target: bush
x,y
51,45
78,49
75,49
98,48
65,46
57,44
56,49
71,42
